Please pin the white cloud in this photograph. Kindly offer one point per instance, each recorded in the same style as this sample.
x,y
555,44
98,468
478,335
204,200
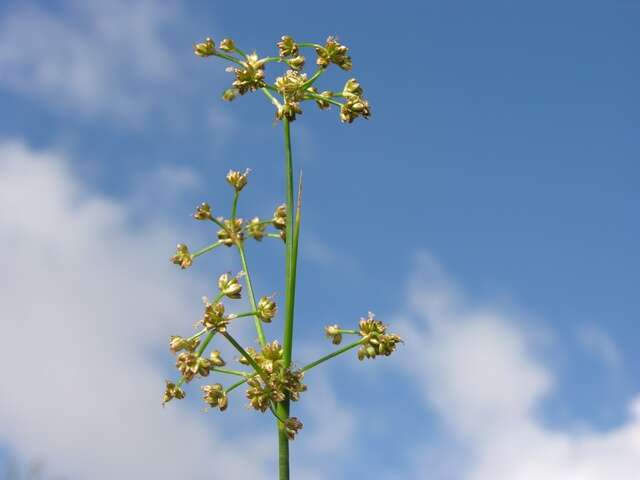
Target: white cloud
x,y
87,305
479,372
91,56
601,345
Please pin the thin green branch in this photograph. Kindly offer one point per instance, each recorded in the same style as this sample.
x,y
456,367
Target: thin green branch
x,y
206,249
245,354
333,354
252,297
238,373
320,97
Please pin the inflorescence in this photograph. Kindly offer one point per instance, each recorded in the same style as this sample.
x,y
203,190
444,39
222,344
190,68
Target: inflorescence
x,y
268,380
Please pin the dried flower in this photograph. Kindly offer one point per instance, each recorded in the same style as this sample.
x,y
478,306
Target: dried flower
x,y
238,179
227,45
182,256
229,286
276,387
203,212
292,426
353,108
190,364
256,229
287,46
172,391
216,360
213,318
290,85
267,309
251,76
289,111
280,217
333,332
231,232
352,87
177,344
215,396
206,48
333,52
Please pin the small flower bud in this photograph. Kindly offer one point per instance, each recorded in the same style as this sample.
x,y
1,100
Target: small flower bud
x,y
182,256
256,229
205,49
323,102
333,332
287,46
227,45
172,391
251,76
237,179
267,309
296,62
216,360
215,396
280,217
376,340
292,426
229,286
229,94
203,212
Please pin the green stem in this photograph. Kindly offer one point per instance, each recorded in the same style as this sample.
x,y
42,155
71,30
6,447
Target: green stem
x,y
320,97
234,207
273,99
332,354
206,249
310,45
252,296
313,78
290,289
238,373
246,355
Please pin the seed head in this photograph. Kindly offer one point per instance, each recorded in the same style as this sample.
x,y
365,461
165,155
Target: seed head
x,y
250,77
353,108
172,391
190,364
229,286
256,229
206,48
287,46
213,318
182,256
289,111
232,232
280,217
215,396
267,309
290,85
333,52
292,426
238,179
376,339
203,212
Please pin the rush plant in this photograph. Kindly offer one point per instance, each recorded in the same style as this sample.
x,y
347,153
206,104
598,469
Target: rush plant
x,y
271,379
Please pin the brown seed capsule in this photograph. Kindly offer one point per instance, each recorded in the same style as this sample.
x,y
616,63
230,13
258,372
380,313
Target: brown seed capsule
x,y
229,286
267,309
182,256
227,45
333,332
238,179
256,229
292,426
215,396
172,391
287,46
203,212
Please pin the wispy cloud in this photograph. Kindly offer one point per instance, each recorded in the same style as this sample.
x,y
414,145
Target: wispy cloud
x,y
90,57
601,345
480,373
87,305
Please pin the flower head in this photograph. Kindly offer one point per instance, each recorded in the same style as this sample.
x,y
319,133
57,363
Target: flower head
x,y
287,46
215,396
333,52
203,212
206,48
250,76
172,391
182,256
229,286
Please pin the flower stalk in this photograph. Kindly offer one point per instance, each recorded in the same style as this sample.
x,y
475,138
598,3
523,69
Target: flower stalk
x,y
272,382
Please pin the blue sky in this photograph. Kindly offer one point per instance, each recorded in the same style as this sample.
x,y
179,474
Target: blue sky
x,y
488,211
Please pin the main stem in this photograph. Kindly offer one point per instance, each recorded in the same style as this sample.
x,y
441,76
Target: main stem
x,y
290,291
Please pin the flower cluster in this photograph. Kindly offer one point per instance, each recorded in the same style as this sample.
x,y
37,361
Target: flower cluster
x,y
376,340
294,86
